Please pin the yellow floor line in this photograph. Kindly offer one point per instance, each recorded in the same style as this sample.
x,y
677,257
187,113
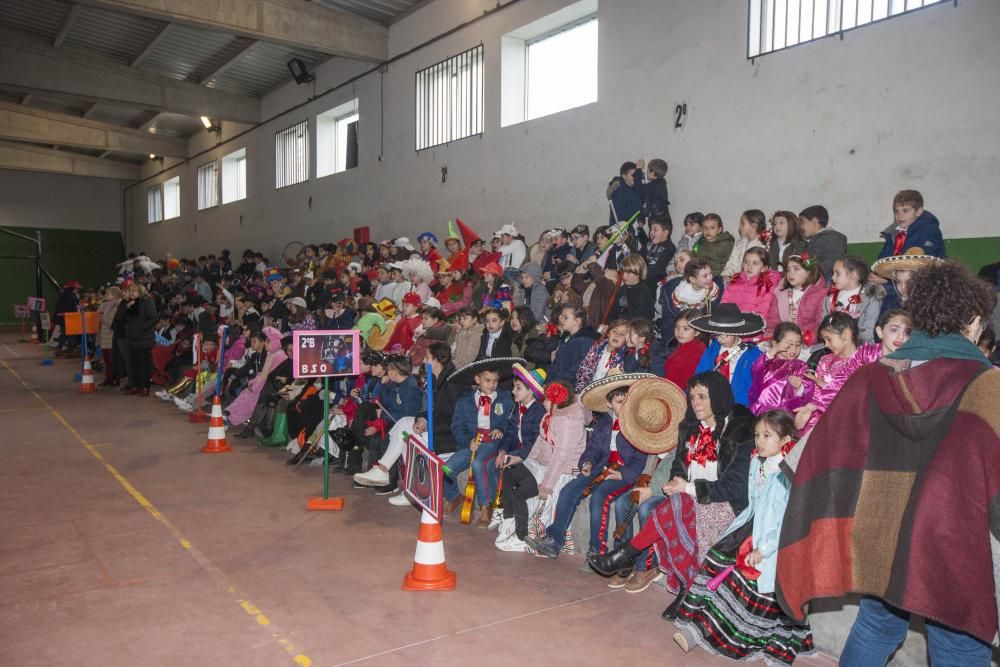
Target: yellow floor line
x,y
199,556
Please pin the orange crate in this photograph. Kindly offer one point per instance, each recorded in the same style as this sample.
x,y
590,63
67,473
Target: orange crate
x,y
74,325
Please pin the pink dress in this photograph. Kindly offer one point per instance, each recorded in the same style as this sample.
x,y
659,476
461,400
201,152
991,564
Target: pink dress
x,y
836,371
240,410
771,390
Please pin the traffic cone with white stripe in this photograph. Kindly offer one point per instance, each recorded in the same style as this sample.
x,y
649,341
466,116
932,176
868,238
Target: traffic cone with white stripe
x,y
216,431
429,572
87,385
34,334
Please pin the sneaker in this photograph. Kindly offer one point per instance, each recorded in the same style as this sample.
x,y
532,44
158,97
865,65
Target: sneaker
x,y
511,543
496,519
400,500
165,395
374,477
386,490
615,581
545,546
640,580
183,405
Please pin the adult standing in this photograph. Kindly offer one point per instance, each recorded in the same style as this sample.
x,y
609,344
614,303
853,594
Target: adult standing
x,y
904,510
140,327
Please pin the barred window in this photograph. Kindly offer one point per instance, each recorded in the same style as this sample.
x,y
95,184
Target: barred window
x,y
234,176
208,186
449,99
291,155
172,198
779,24
154,205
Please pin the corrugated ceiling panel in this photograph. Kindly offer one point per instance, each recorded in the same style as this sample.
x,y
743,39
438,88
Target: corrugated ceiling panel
x,y
261,69
382,11
114,35
186,53
40,18
174,125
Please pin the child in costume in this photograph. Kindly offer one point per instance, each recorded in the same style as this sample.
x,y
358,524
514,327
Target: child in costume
x,y
850,295
728,354
696,289
771,389
753,234
800,298
497,338
467,338
689,347
605,355
752,289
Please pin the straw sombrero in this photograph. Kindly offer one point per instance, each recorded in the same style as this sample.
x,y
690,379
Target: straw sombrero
x,y
533,380
653,410
502,365
385,307
728,319
593,395
911,260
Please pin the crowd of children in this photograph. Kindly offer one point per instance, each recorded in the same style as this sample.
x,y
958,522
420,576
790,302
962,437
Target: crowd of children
x,y
613,370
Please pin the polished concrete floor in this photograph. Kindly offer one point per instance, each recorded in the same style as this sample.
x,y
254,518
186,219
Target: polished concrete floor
x,y
123,545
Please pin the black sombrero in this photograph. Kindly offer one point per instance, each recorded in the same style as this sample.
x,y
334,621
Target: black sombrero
x,y
728,319
502,365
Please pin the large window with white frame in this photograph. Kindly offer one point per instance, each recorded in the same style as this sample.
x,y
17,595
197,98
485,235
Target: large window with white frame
x,y
337,139
449,99
172,198
549,65
154,205
779,24
234,176
208,185
291,155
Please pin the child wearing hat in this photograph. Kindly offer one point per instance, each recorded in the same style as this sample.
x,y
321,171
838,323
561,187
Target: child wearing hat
x,y
428,249
518,438
478,423
728,354
403,333
608,454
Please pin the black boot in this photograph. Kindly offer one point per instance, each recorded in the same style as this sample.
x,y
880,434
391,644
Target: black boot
x,y
619,560
670,613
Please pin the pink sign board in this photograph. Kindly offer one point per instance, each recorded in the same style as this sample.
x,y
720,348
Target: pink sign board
x,y
317,354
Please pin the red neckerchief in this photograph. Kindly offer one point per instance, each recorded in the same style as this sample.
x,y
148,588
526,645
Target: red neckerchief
x,y
522,409
615,426
551,330
484,403
835,305
702,448
897,248
722,363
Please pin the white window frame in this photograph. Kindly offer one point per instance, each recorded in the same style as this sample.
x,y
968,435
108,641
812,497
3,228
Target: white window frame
x,y
450,99
515,65
776,25
172,198
154,204
234,176
291,155
331,146
208,185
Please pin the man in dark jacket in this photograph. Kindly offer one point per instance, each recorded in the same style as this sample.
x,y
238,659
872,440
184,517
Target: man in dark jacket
x,y
825,244
140,332
914,228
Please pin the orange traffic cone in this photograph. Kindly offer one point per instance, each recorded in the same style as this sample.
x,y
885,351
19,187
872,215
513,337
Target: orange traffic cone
x,y
87,385
429,572
34,334
216,443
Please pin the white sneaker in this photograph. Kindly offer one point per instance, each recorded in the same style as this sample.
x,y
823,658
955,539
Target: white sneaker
x,y
164,395
400,500
183,405
496,519
374,477
506,529
293,446
512,543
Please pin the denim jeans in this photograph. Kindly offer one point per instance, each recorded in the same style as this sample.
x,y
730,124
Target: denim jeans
x,y
879,630
622,503
484,468
457,463
569,499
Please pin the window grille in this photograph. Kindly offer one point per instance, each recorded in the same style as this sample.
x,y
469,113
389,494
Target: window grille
x,y
154,205
208,186
449,99
291,155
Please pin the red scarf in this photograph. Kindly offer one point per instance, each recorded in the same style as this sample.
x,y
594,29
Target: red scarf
x,y
722,363
702,447
897,248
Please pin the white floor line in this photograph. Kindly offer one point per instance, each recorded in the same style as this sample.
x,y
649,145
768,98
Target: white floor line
x,y
474,628
11,350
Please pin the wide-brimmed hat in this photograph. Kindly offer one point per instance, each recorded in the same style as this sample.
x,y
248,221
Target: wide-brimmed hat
x,y
533,380
594,394
502,365
653,410
403,242
297,301
728,319
911,260
385,307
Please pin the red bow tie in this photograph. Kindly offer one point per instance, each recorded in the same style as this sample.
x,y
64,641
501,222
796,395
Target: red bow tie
x,y
615,425
484,403
701,447
522,409
722,363
897,248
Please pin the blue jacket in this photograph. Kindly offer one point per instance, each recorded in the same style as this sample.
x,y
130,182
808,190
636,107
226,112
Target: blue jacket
x,y
402,399
625,200
924,233
740,377
599,449
669,311
767,511
531,424
570,354
464,423
657,359
554,256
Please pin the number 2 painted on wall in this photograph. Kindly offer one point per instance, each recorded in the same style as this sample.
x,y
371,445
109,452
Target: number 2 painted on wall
x,y
680,115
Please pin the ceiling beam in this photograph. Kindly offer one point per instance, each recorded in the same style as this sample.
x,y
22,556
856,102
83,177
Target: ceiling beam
x,y
67,25
38,126
218,71
25,157
90,112
298,24
28,65
147,120
153,43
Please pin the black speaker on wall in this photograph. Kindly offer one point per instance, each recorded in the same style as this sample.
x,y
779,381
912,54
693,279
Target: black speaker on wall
x,y
299,71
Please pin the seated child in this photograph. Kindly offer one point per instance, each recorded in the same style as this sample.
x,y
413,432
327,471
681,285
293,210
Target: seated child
x,y
850,295
732,608
403,333
753,288
715,244
692,232
644,353
752,226
467,337
728,354
497,338
800,298
771,389
687,350
605,355
433,329
696,290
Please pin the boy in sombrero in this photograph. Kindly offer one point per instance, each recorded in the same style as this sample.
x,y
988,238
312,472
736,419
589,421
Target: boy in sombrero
x,y
728,353
478,425
606,447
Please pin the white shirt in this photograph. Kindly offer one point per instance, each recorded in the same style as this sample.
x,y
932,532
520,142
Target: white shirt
x,y
490,339
844,295
614,434
520,418
483,421
399,290
513,254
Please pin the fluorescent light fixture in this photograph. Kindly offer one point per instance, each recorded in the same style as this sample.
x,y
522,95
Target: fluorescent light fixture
x,y
152,156
207,122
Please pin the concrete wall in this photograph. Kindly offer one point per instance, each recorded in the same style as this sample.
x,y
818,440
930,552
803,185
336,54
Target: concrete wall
x,y
909,102
56,201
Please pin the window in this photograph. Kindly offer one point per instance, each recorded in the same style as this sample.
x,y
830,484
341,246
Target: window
x,y
234,176
778,24
172,198
208,186
450,99
291,155
337,139
549,65
154,205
